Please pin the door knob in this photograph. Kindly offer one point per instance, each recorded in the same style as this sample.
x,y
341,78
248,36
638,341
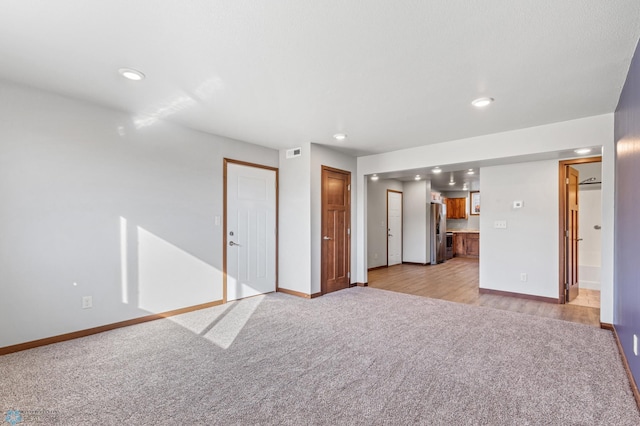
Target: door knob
x,y
326,238
231,243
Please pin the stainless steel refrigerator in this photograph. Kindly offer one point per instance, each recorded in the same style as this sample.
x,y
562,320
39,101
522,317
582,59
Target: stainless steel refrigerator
x,y
438,233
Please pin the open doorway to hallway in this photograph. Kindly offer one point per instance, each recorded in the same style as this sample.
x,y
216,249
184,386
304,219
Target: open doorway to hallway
x,y
580,228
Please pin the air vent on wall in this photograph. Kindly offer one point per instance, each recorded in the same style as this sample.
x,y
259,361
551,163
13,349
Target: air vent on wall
x,y
294,152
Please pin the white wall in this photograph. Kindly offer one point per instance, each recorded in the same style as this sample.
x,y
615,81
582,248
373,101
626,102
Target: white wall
x,y
511,146
530,242
294,261
377,219
415,241
93,202
323,156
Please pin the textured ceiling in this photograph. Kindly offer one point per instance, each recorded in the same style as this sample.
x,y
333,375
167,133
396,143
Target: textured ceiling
x,y
279,73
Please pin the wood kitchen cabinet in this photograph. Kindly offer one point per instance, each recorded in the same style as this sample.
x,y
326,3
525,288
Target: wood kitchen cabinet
x,y
456,208
466,244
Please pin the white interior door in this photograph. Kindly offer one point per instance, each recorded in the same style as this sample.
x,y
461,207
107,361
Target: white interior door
x,y
394,228
250,231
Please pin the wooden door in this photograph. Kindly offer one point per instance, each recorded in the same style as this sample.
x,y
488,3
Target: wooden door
x,y
394,227
250,196
336,232
573,178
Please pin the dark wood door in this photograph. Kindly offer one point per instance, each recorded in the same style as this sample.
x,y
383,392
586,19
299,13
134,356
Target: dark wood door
x,y
336,222
572,233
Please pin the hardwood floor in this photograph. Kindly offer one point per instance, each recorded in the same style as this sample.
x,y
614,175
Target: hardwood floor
x,y
457,280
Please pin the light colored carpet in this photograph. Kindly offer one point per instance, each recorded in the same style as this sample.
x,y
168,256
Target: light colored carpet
x,y
358,356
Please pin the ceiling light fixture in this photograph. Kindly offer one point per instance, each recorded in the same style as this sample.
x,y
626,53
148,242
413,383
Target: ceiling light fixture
x,y
374,177
481,102
131,74
417,177
437,170
340,136
470,172
582,151
452,183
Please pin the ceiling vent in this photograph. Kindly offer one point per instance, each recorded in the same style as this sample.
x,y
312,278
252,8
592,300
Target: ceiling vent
x,y
294,152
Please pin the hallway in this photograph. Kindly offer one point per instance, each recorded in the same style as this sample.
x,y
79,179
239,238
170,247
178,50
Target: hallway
x,y
457,280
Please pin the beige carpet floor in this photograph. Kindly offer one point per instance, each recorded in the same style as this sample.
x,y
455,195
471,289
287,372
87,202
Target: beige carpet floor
x,y
359,356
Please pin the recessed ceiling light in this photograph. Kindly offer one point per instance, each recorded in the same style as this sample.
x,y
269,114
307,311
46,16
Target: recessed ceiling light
x,y
374,177
582,151
470,172
131,74
481,102
417,177
339,136
437,170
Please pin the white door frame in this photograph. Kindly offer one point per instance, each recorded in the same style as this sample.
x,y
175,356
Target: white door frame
x,y
225,239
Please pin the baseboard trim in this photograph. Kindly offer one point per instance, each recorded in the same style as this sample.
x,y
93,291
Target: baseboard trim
x,y
518,295
95,330
606,326
415,263
378,267
298,293
632,381
362,284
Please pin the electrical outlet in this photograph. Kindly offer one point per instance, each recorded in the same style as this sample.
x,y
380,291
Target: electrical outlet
x,y
87,302
523,276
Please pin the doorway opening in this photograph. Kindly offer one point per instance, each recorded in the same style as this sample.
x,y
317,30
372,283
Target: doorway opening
x,y
579,228
394,227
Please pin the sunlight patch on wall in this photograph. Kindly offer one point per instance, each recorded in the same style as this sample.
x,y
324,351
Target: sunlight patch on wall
x,y
170,278
124,270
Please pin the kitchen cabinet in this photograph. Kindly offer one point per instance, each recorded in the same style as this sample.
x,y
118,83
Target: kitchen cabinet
x,y
456,208
466,244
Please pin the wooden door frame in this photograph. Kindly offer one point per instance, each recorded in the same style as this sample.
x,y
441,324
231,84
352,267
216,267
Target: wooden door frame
x,y
401,222
562,176
226,162
323,277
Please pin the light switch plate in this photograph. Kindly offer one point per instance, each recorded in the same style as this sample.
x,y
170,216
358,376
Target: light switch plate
x,y
500,224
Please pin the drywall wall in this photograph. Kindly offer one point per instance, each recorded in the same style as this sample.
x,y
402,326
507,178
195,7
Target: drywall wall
x,y
323,156
627,205
294,261
529,244
94,200
377,219
511,147
415,217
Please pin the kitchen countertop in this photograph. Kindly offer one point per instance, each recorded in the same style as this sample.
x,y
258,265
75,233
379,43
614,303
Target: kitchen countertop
x,y
464,231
